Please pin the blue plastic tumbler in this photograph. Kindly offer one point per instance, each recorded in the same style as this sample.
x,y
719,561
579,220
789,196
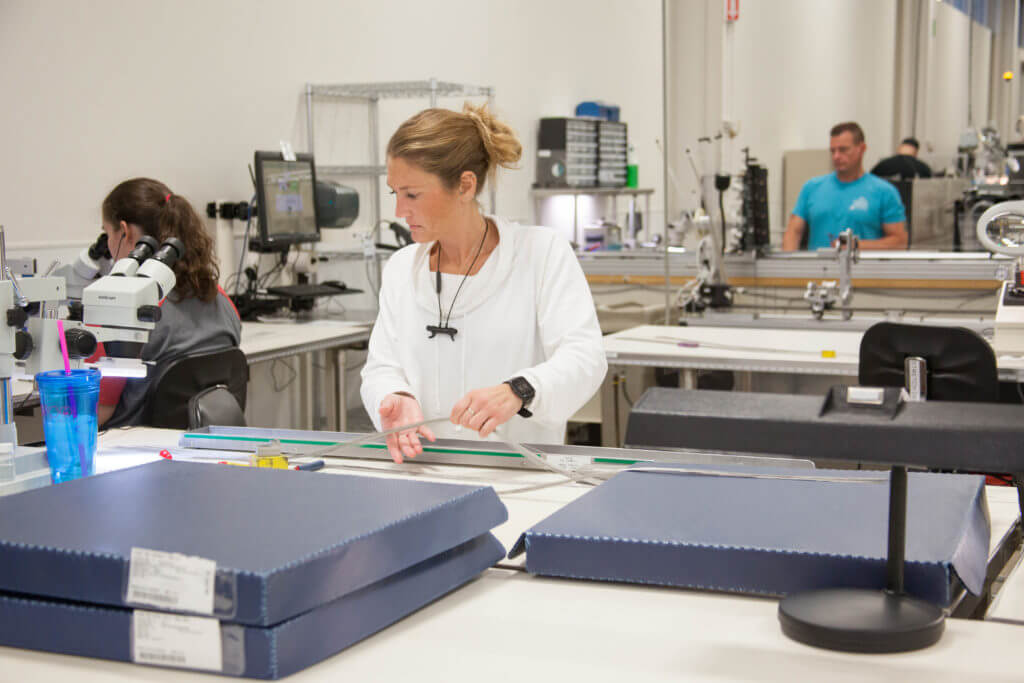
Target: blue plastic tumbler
x,y
69,401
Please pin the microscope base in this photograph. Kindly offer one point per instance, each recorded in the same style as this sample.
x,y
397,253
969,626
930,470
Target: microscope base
x,y
31,471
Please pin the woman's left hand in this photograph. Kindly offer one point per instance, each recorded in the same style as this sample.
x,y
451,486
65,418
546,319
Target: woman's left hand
x,y
482,410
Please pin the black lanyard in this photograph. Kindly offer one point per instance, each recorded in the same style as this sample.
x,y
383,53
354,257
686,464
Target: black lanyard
x,y
444,328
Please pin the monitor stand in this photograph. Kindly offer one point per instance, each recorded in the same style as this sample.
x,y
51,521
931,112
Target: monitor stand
x,y
864,620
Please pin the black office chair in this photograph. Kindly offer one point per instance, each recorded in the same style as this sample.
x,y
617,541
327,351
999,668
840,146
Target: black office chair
x,y
199,390
961,365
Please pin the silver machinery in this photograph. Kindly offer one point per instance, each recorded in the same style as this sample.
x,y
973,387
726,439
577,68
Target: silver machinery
x,y
1001,230
120,309
824,296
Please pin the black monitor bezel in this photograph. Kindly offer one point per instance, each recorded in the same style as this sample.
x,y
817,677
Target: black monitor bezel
x,y
281,241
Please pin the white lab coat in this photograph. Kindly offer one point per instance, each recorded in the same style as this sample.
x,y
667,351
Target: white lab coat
x,y
528,312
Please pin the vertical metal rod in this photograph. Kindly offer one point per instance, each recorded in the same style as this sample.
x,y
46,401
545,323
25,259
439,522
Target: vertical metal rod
x,y
664,154
970,63
375,178
309,118
3,254
647,221
575,222
6,395
914,378
897,528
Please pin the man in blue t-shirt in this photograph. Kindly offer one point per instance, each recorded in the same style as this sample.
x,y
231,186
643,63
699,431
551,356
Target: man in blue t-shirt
x,y
848,198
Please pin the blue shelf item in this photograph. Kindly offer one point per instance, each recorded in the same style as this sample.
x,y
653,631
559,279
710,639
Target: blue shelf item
x,y
597,109
737,530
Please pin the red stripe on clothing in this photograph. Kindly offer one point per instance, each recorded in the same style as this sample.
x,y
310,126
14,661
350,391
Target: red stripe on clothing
x,y
110,390
221,290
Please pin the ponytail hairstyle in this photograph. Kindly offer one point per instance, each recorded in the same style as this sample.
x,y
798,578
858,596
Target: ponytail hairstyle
x,y
161,214
447,143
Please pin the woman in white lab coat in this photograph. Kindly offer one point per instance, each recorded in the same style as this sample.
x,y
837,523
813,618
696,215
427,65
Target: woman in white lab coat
x,y
484,321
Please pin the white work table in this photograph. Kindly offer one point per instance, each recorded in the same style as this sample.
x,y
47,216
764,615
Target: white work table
x,y
748,349
263,341
267,342
510,626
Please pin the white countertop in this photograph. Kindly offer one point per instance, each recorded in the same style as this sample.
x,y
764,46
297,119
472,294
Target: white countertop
x,y
510,626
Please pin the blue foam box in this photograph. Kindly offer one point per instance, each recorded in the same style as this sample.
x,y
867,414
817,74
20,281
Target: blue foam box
x,y
767,536
284,542
251,651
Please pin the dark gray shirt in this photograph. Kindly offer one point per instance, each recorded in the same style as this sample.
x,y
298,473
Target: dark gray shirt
x,y
185,327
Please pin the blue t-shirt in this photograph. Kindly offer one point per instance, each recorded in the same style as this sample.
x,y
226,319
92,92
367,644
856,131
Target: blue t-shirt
x,y
830,206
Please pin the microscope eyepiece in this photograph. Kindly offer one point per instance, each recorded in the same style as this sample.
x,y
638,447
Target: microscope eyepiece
x,y
100,249
170,251
144,248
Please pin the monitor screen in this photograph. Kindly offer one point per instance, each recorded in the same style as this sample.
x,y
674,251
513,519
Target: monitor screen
x,y
286,200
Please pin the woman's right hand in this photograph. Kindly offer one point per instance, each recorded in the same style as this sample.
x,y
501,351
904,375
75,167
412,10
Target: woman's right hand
x,y
397,410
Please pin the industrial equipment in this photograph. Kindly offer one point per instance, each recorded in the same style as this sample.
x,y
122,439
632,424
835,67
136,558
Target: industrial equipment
x,y
1001,230
118,309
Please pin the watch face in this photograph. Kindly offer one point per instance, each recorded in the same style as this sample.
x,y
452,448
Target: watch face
x,y
522,389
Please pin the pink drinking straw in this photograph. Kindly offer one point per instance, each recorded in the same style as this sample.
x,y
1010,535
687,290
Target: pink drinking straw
x,y
63,346
71,396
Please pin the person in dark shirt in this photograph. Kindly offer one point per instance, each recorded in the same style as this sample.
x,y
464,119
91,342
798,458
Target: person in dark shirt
x,y
196,317
905,165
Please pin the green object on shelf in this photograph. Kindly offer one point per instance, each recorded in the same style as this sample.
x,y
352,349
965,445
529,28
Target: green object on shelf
x,y
631,167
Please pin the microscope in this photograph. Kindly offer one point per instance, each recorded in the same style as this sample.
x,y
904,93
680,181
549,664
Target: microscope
x,y
93,262
119,310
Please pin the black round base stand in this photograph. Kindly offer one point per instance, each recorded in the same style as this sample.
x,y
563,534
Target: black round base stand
x,y
861,620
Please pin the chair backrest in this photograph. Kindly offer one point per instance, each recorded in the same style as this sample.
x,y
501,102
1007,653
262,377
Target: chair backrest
x,y
175,385
215,406
961,364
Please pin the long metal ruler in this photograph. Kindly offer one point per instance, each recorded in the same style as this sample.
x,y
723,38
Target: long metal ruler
x,y
460,451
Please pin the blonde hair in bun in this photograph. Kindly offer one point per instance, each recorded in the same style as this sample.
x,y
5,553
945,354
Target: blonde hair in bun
x,y
447,143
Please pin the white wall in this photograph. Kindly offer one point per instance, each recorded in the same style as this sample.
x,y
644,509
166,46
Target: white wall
x,y
981,67
793,68
693,94
944,116
804,65
798,67
96,92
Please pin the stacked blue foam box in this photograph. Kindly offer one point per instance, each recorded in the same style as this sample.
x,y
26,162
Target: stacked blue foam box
x,y
298,565
765,531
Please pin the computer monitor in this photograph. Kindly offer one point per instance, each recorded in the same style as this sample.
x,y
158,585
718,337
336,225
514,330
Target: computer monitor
x,y
286,201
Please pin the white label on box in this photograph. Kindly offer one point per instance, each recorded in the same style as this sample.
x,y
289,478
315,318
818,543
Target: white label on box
x,y
543,153
572,463
176,640
871,395
171,580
